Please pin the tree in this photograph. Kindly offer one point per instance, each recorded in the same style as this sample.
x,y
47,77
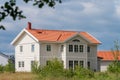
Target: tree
x,y
115,65
10,8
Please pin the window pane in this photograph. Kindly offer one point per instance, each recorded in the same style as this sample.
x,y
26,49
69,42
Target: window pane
x,y
80,48
75,48
22,63
32,48
48,47
70,64
88,65
75,64
21,48
19,64
88,49
70,48
81,63
62,47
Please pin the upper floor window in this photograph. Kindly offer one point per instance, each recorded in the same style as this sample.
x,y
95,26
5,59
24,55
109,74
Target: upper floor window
x,y
62,48
48,47
70,48
88,49
75,48
81,48
21,48
32,48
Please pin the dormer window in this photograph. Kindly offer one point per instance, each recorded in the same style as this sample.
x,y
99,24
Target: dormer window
x,y
76,40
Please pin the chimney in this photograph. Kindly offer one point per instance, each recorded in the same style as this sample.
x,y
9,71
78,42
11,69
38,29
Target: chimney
x,y
29,25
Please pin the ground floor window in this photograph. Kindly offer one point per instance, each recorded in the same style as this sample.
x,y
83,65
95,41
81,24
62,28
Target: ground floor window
x,y
20,64
74,63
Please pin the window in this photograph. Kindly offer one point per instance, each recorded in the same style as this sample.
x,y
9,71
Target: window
x,y
88,65
75,48
70,64
32,48
21,64
48,47
70,48
62,48
80,48
75,63
21,48
88,49
81,63
76,40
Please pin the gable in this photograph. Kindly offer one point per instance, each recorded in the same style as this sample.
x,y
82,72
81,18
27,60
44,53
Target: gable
x,y
24,37
78,38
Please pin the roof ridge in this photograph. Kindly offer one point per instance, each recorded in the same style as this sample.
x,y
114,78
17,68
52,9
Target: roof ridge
x,y
57,30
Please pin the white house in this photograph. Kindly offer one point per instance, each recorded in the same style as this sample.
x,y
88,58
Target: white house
x,y
72,47
107,59
3,59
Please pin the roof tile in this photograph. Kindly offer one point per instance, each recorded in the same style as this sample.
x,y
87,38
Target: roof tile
x,y
106,55
59,35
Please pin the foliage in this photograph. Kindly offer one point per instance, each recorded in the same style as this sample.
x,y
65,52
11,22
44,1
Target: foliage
x,y
10,8
1,69
83,72
35,67
53,68
114,67
10,67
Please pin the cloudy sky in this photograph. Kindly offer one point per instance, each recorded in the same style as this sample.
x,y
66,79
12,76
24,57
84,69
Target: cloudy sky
x,y
101,18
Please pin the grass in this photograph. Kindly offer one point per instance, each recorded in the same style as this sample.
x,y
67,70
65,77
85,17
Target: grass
x,y
17,76
30,76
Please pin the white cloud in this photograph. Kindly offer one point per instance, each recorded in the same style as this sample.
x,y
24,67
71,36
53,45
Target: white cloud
x,y
98,17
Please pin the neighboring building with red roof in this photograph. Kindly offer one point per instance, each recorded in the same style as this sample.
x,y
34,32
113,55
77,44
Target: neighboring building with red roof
x,y
72,47
107,59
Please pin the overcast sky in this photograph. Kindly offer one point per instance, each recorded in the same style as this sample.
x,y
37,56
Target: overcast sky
x,y
101,18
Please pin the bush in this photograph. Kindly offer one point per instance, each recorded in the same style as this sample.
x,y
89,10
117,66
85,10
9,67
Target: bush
x,y
35,67
54,68
10,67
68,73
83,72
1,69
114,67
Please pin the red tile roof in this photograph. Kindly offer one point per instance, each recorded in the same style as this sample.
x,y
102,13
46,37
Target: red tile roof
x,y
59,35
106,55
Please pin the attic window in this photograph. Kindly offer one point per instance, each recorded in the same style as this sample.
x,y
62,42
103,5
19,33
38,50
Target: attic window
x,y
76,40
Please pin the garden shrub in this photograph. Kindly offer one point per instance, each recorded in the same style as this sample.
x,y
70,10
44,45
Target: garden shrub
x,y
1,69
53,68
10,67
114,67
36,67
83,72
